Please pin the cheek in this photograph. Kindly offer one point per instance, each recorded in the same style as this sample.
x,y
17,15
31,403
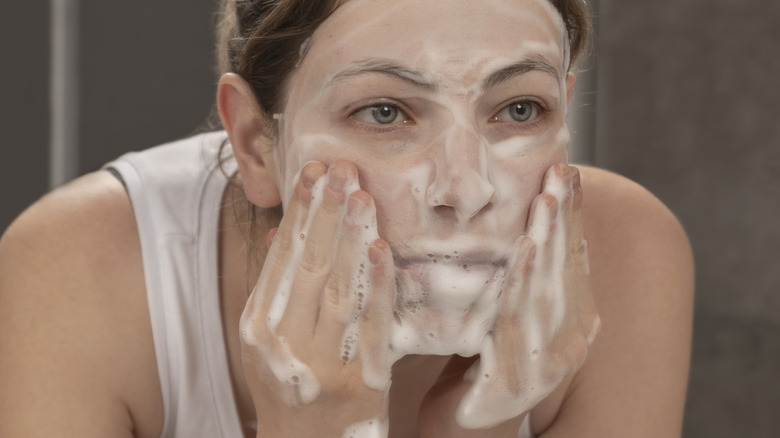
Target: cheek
x,y
517,168
399,194
293,152
397,185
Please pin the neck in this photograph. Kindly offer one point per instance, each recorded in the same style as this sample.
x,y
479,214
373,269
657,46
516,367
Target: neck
x,y
413,376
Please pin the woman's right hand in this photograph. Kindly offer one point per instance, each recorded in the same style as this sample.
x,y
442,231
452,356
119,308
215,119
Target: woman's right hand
x,y
315,331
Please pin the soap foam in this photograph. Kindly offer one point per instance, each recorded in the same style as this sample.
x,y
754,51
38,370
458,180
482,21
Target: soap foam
x,y
443,305
375,428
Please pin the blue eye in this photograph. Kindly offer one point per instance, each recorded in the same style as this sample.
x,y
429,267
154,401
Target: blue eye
x,y
382,114
522,111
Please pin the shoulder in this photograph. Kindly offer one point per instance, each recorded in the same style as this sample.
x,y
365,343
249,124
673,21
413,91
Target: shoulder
x,y
626,225
611,198
82,231
74,324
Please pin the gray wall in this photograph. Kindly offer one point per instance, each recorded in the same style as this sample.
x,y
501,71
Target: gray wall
x,y
686,103
145,77
24,117
689,105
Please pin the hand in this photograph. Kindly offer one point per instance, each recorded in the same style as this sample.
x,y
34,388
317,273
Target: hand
x,y
315,331
545,323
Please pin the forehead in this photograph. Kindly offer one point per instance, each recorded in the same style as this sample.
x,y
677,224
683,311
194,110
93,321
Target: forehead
x,y
428,33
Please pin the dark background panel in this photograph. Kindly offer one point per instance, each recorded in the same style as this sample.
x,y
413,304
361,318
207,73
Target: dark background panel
x,y
689,106
24,111
146,74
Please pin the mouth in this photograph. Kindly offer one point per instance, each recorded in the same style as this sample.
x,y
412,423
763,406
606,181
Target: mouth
x,y
459,274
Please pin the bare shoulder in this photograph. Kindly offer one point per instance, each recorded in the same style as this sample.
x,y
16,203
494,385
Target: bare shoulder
x,y
634,380
76,353
617,208
633,236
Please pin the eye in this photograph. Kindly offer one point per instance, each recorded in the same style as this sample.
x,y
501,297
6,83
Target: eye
x,y
383,114
519,111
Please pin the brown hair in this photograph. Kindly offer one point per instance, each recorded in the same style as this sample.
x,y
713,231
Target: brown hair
x,y
261,39
576,17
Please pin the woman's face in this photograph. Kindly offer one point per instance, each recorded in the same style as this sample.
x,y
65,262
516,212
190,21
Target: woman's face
x,y
451,111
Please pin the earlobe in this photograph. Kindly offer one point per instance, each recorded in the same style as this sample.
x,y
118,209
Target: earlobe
x,y
251,136
571,79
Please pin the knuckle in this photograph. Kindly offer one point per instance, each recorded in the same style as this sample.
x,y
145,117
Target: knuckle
x,y
315,262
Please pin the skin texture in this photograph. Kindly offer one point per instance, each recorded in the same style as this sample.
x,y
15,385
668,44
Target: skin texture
x,y
449,173
452,175
76,354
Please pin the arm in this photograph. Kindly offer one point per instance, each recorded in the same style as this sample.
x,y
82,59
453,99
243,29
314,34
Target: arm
x,y
76,353
634,380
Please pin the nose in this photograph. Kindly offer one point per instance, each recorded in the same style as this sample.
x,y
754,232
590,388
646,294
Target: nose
x,y
460,183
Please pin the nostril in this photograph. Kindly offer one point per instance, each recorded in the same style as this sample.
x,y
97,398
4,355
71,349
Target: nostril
x,y
448,211
444,210
488,207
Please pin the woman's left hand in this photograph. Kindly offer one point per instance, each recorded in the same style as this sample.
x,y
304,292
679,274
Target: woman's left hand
x,y
545,323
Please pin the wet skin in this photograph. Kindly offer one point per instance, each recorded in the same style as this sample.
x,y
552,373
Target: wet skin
x,y
448,143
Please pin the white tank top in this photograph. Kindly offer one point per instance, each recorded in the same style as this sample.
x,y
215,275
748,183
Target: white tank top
x,y
176,191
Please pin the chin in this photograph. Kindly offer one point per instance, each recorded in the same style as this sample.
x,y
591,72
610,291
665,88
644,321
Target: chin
x,y
445,308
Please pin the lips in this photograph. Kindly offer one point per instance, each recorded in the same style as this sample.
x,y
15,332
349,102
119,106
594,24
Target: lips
x,y
452,252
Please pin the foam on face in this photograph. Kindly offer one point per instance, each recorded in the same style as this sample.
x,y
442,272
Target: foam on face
x,y
449,277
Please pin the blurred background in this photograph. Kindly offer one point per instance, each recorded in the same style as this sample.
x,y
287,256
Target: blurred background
x,y
681,96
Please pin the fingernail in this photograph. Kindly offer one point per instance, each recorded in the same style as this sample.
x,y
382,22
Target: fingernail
x,y
337,178
310,175
576,179
308,181
354,205
376,251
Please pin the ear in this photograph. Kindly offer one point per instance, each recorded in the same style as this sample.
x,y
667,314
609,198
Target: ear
x,y
571,79
251,136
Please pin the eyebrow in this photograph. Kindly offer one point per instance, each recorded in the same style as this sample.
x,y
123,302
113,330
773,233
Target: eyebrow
x,y
386,67
534,62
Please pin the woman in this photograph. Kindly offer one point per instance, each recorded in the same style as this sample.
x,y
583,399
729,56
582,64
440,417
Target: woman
x,y
429,276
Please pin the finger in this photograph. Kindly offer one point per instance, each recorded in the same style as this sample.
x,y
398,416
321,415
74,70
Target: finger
x,y
577,230
326,222
557,181
313,268
377,321
297,212
515,292
273,281
589,317
515,330
547,293
544,207
349,287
